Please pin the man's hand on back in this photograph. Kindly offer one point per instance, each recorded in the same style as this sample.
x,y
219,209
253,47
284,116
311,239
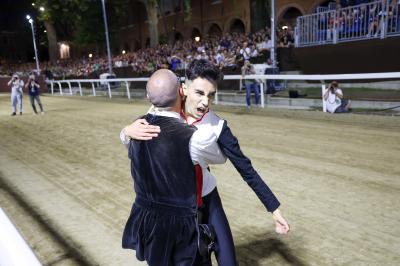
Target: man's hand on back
x,y
141,130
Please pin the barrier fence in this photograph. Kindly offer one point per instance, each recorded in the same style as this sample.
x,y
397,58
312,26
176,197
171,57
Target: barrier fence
x,y
379,19
109,85
13,248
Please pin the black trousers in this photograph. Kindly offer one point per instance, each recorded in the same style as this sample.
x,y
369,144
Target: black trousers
x,y
213,213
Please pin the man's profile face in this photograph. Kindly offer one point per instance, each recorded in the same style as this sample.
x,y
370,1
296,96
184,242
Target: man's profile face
x,y
199,94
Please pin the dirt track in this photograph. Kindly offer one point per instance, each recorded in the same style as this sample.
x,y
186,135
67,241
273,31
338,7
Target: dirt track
x,y
337,177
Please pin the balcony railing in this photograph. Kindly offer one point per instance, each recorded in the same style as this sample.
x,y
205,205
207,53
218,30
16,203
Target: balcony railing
x,y
380,19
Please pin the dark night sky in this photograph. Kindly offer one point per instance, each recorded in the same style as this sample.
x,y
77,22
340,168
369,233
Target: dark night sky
x,y
12,14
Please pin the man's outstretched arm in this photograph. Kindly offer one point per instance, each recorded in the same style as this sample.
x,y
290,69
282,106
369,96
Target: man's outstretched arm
x,y
230,147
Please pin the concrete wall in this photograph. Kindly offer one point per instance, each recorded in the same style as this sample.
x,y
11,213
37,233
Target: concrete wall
x,y
366,56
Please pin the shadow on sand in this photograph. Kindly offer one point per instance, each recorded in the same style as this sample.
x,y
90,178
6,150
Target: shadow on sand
x,y
263,246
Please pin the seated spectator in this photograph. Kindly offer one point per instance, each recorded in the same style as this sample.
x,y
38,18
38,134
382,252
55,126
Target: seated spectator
x,y
254,51
245,51
334,99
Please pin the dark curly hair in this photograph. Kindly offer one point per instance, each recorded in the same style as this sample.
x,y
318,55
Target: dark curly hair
x,y
204,69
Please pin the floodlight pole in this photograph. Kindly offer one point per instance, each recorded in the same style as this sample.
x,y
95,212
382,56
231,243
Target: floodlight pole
x,y
273,48
34,46
107,39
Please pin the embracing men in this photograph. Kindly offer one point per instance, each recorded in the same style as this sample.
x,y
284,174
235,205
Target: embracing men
x,y
199,87
162,227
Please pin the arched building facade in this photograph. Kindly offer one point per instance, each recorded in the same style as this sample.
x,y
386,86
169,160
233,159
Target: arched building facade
x,y
209,18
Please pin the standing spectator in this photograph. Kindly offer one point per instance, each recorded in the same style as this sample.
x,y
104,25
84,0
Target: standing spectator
x,y
33,88
334,99
248,69
16,94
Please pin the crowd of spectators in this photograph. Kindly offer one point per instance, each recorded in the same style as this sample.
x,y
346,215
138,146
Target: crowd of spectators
x,y
354,19
227,51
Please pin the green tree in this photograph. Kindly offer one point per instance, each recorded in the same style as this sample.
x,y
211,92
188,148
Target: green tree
x,y
78,21
152,16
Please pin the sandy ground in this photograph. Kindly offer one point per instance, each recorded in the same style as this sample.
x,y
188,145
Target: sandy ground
x,y
337,177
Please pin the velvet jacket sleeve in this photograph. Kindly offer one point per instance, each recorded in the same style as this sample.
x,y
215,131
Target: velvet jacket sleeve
x,y
230,147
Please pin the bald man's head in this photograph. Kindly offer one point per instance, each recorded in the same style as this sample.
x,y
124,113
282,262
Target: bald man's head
x,y
162,88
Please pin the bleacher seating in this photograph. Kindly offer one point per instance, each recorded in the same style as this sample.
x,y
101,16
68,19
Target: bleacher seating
x,y
378,19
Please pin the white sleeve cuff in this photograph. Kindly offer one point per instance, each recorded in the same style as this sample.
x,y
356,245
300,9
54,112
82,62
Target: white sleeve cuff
x,y
124,139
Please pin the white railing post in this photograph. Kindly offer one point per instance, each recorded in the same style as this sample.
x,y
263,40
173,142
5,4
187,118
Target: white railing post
x,y
70,88
384,19
216,97
52,87
59,85
335,31
323,90
262,94
80,88
127,90
109,89
94,90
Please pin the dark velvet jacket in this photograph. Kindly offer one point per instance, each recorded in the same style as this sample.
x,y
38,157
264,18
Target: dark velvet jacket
x,y
162,168
164,181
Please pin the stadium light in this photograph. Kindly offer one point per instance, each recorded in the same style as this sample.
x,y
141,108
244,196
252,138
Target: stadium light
x,y
123,52
41,9
90,55
30,20
33,4
197,38
107,39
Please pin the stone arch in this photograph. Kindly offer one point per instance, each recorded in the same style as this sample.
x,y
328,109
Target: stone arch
x,y
214,30
178,36
237,25
288,14
195,32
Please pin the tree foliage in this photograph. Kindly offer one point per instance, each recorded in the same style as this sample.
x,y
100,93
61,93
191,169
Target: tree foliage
x,y
81,21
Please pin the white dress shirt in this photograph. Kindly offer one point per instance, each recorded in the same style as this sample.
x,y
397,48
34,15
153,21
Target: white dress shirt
x,y
203,146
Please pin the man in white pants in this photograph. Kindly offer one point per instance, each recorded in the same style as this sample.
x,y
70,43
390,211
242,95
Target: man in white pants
x,y
16,94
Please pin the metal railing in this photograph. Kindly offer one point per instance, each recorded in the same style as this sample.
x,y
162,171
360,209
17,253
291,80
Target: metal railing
x,y
56,85
378,19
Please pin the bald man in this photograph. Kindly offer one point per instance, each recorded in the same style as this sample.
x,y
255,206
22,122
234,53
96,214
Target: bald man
x,y
162,224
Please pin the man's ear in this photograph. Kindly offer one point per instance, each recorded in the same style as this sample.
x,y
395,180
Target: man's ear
x,y
184,89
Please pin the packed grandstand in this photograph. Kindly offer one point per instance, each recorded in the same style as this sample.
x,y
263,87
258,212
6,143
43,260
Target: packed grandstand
x,y
226,53
336,21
